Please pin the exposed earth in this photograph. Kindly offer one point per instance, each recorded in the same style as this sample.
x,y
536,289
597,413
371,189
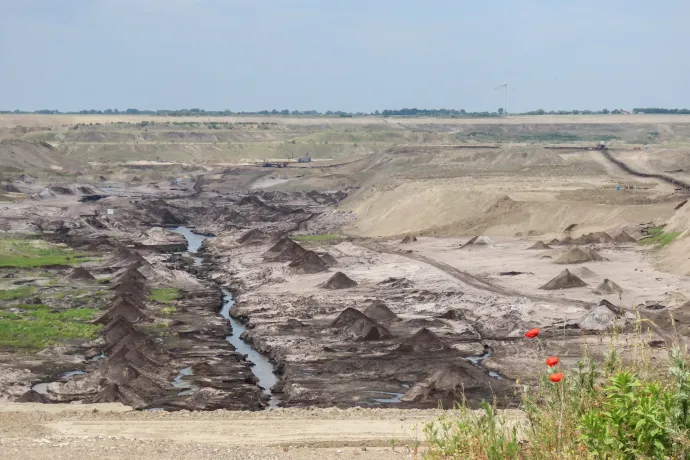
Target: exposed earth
x,y
156,266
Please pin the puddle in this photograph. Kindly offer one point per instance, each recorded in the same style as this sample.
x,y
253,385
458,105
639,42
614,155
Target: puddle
x,y
393,398
97,358
69,375
42,388
477,360
189,389
263,368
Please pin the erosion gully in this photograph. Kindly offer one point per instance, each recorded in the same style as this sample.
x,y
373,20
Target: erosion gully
x,y
262,367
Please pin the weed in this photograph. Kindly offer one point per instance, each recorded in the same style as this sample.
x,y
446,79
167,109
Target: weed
x,y
168,311
659,238
26,252
165,295
321,237
18,293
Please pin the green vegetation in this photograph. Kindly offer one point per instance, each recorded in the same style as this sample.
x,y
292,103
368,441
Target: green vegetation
x,y
165,295
321,237
18,293
168,311
658,237
24,252
603,410
38,326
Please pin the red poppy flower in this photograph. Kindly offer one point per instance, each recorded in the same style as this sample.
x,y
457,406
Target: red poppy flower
x,y
532,333
551,361
557,377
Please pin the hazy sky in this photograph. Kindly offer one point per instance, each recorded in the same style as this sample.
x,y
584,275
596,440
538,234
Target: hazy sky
x,y
354,55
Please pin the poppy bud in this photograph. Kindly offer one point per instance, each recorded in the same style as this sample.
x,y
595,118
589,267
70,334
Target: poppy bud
x,y
557,377
551,361
532,333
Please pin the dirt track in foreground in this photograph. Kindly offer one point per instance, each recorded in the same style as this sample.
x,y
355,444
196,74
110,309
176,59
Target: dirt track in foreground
x,y
111,431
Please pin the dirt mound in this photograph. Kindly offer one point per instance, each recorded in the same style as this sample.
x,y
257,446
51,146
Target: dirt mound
x,y
585,272
124,308
566,241
677,320
112,392
338,281
554,241
449,382
409,239
329,259
117,329
10,188
253,236
310,263
251,200
285,250
577,255
623,237
32,396
379,311
604,317
480,241
565,280
80,274
608,287
594,238
539,245
397,283
358,326
423,340
27,155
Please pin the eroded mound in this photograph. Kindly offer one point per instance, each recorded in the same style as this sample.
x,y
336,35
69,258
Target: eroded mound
x,y
285,250
585,272
32,396
329,259
338,281
539,245
578,255
565,280
423,340
310,263
566,241
80,274
409,239
396,283
594,238
623,237
480,241
253,236
358,326
379,311
10,188
554,241
608,287
449,382
604,317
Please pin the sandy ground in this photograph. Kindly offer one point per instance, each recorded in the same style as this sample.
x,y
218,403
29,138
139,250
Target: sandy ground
x,y
110,431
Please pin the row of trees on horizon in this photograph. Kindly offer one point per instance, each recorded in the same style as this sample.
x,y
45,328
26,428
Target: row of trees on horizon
x,y
405,112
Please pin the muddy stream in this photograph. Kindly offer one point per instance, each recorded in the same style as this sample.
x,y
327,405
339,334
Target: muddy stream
x,y
262,368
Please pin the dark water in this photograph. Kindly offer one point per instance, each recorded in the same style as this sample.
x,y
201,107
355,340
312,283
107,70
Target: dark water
x,y
262,368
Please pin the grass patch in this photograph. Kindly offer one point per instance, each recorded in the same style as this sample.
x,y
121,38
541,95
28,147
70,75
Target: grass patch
x,y
18,293
321,237
601,409
658,237
168,311
165,295
38,326
27,252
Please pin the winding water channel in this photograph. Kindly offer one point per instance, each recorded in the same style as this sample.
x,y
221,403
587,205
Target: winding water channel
x,y
262,368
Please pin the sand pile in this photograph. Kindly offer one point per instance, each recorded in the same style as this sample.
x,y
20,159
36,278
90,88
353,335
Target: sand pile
x,y
608,287
623,237
310,263
358,326
112,392
449,382
80,274
479,241
285,250
423,340
594,238
605,317
123,308
409,239
397,283
576,255
539,245
565,280
379,311
329,259
253,236
338,281
566,241
585,272
554,241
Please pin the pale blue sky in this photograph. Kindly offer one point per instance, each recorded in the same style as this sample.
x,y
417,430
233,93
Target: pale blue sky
x,y
353,55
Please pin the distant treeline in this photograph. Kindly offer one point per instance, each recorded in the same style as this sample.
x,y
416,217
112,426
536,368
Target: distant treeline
x,y
413,112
